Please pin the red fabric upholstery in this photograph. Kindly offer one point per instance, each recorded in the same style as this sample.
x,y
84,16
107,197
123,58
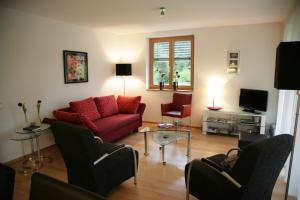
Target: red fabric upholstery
x,y
89,124
166,107
67,116
114,122
128,105
106,105
141,110
120,133
180,107
181,99
86,107
113,127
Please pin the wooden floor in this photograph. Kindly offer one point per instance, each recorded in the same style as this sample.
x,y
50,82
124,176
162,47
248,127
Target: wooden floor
x,y
155,181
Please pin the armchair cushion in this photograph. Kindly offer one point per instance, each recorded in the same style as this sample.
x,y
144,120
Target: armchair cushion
x,y
107,105
128,105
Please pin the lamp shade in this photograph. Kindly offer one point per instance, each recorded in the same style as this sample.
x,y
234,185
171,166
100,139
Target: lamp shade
x,y
123,69
287,71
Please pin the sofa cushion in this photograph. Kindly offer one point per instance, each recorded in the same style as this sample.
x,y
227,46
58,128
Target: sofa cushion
x,y
106,105
128,104
109,124
86,107
88,123
67,116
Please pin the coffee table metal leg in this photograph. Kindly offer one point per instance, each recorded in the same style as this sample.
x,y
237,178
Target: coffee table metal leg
x,y
146,144
189,144
163,154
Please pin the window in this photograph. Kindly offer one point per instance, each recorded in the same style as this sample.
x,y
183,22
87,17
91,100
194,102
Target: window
x,y
172,59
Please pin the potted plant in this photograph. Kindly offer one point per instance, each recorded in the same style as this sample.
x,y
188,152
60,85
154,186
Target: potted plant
x,y
175,82
161,82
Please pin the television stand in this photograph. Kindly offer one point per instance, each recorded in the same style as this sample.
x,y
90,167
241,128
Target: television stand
x,y
251,111
232,123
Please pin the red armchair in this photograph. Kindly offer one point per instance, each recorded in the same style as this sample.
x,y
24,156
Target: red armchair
x,y
181,106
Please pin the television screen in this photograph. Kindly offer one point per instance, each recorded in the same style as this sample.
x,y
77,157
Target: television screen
x,y
253,100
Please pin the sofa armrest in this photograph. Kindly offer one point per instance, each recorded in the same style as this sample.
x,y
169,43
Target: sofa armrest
x,y
186,110
166,107
49,121
140,111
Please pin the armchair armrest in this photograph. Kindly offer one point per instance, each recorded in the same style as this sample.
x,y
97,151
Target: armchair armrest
x,y
113,151
186,110
213,164
166,107
99,140
202,177
231,150
109,152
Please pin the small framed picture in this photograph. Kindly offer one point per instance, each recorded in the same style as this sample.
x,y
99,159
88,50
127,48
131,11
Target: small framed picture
x,y
233,65
75,66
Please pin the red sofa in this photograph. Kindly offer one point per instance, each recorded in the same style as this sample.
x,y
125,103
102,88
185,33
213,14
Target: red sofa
x,y
106,117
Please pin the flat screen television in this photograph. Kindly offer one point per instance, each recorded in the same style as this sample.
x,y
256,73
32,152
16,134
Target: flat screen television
x,y
253,100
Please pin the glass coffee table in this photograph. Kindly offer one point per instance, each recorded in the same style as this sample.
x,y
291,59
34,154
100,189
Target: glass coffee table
x,y
167,135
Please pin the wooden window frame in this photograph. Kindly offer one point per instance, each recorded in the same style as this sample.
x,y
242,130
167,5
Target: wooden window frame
x,y
171,41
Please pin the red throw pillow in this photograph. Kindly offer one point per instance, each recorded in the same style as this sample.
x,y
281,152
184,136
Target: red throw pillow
x,y
67,116
86,107
107,105
88,123
128,104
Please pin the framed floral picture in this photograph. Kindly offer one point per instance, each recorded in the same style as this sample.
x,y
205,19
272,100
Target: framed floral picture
x,y
75,66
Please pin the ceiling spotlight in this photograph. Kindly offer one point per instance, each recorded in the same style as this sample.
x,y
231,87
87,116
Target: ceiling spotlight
x,y
162,11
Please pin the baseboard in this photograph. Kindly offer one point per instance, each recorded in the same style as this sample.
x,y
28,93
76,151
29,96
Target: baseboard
x,y
21,158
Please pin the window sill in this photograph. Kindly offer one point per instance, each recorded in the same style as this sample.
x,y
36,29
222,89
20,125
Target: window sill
x,y
170,90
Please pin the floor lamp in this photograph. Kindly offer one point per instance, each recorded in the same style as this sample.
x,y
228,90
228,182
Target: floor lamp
x,y
123,70
287,77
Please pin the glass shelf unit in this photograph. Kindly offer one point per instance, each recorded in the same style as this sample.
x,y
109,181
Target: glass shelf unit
x,y
232,123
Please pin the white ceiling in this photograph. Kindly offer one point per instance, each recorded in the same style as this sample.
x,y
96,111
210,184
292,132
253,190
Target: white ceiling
x,y
133,16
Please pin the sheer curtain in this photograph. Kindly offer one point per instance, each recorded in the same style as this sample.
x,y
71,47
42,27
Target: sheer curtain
x,y
287,106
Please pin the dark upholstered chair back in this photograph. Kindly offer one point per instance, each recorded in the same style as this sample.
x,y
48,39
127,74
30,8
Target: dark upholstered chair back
x,y
7,181
47,188
259,165
79,151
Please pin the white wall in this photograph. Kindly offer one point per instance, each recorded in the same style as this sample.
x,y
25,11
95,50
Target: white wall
x,y
257,44
31,68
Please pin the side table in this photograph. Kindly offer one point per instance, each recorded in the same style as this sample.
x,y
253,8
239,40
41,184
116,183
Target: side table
x,y
33,163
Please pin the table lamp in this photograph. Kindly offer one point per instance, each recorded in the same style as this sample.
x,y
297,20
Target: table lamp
x,y
123,70
287,73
